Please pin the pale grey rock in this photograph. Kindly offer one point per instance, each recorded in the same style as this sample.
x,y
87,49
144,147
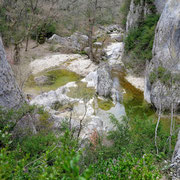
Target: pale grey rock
x,y
114,53
87,50
91,79
112,28
10,93
76,42
48,99
176,160
72,62
79,41
136,12
41,80
116,94
117,37
166,54
147,85
160,4
105,82
98,44
57,39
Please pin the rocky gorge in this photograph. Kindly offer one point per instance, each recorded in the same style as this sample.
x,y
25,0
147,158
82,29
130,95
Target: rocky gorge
x,y
107,92
96,84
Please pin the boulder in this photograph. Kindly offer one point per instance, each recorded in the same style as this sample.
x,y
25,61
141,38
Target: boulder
x,y
41,80
117,37
91,79
49,99
113,28
98,44
76,42
114,53
104,81
166,59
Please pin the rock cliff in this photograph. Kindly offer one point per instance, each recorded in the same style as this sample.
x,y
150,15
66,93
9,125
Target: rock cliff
x,y
163,71
137,11
10,94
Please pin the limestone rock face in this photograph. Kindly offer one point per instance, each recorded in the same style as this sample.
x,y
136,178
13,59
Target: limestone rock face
x,y
105,82
166,57
10,94
136,12
160,4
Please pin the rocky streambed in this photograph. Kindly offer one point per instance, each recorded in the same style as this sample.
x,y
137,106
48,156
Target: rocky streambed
x,y
71,87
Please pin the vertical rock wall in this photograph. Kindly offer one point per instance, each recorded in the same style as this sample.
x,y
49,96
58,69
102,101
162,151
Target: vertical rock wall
x,y
10,94
137,11
166,57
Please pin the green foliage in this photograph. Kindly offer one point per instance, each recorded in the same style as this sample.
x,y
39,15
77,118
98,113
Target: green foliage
x,y
38,144
139,41
161,74
8,120
150,3
45,30
152,77
127,167
43,157
56,79
57,156
81,91
4,29
124,11
105,104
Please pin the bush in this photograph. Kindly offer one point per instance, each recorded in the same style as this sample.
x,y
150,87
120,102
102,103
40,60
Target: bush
x,y
52,159
43,31
4,29
124,11
161,74
127,167
139,41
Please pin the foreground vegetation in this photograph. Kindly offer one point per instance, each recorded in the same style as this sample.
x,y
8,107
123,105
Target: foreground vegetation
x,y
59,154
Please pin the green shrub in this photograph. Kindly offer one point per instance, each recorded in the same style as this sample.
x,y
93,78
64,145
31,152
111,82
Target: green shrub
x,y
53,158
152,77
4,28
161,74
127,167
139,41
124,11
43,31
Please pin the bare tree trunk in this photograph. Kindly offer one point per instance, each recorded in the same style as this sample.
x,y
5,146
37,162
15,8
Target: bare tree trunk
x,y
171,127
90,40
80,124
27,42
10,93
16,54
157,125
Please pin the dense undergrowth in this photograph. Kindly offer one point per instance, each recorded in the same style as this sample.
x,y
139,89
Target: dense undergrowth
x,y
59,154
139,42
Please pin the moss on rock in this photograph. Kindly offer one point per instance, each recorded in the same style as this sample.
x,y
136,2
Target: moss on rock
x,y
105,104
57,78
